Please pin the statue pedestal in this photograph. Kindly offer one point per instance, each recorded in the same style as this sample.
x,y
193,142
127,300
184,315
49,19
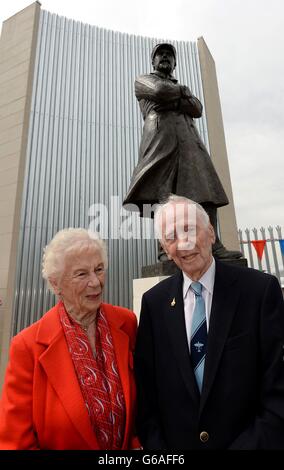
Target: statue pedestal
x,y
155,273
161,268
242,262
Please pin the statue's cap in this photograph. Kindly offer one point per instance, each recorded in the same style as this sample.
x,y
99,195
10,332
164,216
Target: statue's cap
x,y
165,45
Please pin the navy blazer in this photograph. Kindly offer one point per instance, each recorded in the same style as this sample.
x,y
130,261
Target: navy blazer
x,y
242,401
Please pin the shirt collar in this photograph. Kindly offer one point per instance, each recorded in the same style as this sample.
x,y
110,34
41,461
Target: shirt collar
x,y
207,279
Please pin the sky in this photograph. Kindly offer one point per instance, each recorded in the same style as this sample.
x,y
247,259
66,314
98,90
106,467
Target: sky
x,y
246,40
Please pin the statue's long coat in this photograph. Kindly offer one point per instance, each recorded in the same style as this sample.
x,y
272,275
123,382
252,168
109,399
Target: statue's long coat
x,y
172,157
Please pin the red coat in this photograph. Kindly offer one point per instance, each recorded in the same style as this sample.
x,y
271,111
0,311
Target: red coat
x,y
42,406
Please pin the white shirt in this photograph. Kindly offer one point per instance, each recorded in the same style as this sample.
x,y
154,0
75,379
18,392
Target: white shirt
x,y
207,281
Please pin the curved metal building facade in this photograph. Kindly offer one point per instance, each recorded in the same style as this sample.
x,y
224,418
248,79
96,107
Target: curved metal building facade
x,y
84,131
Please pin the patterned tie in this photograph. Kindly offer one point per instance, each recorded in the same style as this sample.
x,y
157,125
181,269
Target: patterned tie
x,y
198,340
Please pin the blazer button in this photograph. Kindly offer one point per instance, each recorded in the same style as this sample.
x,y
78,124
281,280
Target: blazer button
x,y
204,436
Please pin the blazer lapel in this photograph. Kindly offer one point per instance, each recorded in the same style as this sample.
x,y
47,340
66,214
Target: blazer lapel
x,y
224,304
174,319
63,377
121,348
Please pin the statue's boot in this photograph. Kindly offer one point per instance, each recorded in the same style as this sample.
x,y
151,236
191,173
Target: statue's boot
x,y
218,249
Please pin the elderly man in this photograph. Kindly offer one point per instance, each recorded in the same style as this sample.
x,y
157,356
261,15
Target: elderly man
x,y
209,354
172,156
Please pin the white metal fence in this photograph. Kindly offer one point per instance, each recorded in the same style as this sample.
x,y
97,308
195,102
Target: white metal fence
x,y
264,250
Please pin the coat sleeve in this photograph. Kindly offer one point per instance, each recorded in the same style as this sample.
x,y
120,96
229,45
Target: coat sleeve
x,y
16,422
150,87
189,104
167,94
131,325
267,430
148,426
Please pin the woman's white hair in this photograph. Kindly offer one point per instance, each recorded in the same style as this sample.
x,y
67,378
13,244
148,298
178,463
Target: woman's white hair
x,y
65,242
174,199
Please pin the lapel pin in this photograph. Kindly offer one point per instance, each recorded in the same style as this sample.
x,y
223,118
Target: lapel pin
x,y
173,302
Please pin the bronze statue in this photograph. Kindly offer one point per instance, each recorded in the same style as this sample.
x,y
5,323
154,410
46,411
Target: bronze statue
x,y
172,156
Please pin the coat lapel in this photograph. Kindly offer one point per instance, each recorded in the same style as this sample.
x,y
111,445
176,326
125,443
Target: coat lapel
x,y
174,319
62,377
121,348
224,304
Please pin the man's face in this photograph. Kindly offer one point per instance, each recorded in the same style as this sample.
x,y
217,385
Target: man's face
x,y
164,60
187,239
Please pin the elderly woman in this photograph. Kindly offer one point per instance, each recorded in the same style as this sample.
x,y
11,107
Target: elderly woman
x,y
69,383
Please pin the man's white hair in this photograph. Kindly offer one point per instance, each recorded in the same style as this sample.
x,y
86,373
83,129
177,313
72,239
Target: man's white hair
x,y
174,199
66,242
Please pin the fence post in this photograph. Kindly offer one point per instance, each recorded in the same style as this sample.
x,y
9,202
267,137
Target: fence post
x,y
279,233
277,272
249,248
262,231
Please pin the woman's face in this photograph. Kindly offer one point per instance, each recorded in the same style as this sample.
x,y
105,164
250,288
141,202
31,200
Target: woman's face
x,y
81,284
